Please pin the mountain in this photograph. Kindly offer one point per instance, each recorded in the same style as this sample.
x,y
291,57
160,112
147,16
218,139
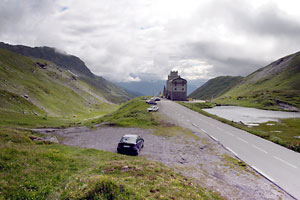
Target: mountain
x,y
151,88
216,87
143,88
110,91
32,86
275,86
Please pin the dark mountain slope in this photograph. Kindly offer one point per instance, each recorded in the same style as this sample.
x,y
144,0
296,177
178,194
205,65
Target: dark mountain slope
x,y
275,86
109,90
216,87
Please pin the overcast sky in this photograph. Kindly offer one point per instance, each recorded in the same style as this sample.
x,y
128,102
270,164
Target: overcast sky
x,y
132,40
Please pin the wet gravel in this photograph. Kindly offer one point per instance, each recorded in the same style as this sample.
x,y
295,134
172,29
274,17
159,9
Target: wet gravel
x,y
203,159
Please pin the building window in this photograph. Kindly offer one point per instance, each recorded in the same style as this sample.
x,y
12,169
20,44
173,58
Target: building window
x,y
182,88
175,89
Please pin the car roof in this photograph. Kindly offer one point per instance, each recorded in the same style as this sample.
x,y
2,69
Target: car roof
x,y
129,135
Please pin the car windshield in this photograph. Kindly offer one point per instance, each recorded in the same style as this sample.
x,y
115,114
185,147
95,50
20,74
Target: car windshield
x,y
131,140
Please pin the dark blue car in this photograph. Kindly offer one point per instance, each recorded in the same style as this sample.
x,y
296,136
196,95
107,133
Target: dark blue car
x,y
130,144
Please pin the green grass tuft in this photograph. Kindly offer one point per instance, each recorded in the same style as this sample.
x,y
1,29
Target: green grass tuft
x,y
131,114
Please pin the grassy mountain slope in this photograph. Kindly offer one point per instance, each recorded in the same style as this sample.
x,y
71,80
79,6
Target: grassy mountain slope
x,y
30,86
276,86
109,90
216,87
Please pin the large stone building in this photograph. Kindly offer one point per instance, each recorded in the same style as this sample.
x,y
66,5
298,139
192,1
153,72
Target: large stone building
x,y
175,88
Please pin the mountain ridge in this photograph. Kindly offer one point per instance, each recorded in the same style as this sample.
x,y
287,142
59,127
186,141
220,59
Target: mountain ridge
x,y
215,87
39,87
110,91
275,86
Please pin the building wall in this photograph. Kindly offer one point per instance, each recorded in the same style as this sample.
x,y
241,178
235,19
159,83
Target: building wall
x,y
178,96
176,87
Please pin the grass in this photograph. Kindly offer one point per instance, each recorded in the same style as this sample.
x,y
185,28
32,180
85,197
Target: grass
x,y
50,91
290,129
174,131
215,87
234,163
134,114
38,170
285,132
269,91
262,99
131,114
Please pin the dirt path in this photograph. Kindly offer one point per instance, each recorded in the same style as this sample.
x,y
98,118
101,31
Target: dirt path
x,y
203,159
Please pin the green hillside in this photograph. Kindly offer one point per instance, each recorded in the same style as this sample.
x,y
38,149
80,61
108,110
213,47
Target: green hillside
x,y
276,86
39,88
215,87
75,65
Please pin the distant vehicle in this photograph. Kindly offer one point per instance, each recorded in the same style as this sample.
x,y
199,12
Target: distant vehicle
x,y
151,101
153,109
156,99
130,144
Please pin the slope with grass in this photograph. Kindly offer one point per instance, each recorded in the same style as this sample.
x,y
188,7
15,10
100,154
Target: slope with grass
x,y
39,170
35,88
276,86
110,91
131,114
216,87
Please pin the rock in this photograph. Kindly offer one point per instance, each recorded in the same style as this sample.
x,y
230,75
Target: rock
x,y
50,139
32,137
125,168
41,65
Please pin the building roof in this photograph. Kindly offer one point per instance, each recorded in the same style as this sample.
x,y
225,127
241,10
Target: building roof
x,y
177,79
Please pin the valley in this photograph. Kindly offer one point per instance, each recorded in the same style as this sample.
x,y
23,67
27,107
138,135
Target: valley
x,y
85,115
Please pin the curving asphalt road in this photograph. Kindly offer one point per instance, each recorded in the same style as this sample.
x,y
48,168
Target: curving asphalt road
x,y
278,164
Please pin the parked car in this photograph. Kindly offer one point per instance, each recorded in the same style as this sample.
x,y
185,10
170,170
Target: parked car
x,y
151,101
157,99
130,144
153,109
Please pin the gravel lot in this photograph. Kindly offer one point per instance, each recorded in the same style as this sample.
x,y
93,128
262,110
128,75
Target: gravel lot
x,y
203,159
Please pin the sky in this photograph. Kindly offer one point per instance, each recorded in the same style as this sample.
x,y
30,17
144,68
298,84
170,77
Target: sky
x,y
142,40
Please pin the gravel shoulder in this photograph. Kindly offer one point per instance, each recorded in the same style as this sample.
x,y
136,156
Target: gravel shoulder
x,y
200,158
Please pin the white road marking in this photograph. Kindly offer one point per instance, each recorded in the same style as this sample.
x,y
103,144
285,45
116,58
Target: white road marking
x,y
195,125
259,149
229,133
219,129
242,140
231,151
214,138
259,171
285,162
203,130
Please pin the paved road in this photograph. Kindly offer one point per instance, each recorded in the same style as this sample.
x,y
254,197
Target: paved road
x,y
276,163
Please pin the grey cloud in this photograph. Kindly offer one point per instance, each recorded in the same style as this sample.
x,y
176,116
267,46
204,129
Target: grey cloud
x,y
227,59
268,20
109,37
